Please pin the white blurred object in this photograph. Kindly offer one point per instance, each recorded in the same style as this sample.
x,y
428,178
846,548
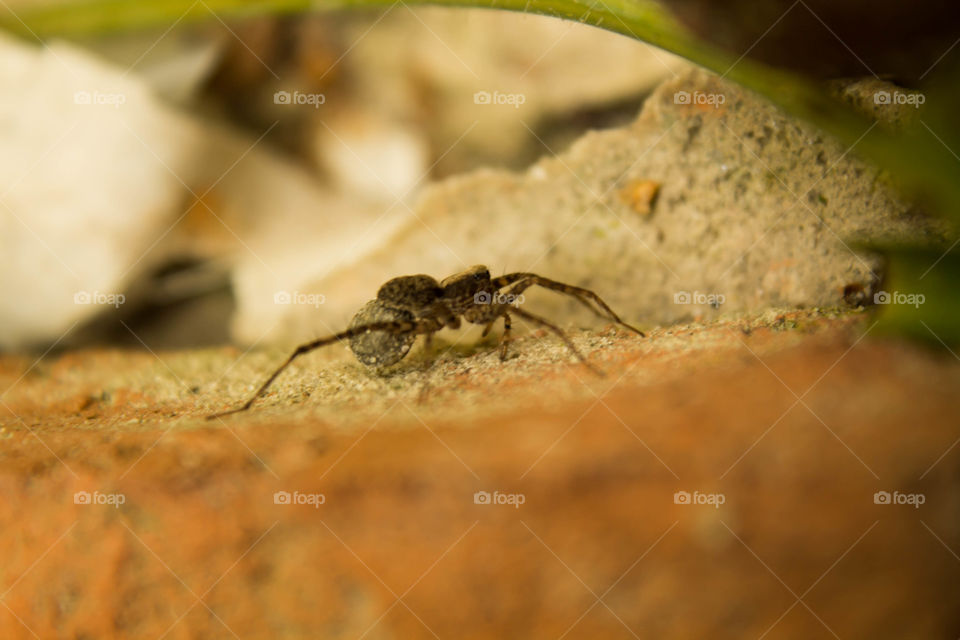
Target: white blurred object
x,y
88,182
100,181
372,157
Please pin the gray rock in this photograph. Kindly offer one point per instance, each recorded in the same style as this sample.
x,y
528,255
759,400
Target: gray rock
x,y
754,210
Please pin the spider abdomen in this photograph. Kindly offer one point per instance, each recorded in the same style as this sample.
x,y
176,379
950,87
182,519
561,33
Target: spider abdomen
x,y
380,348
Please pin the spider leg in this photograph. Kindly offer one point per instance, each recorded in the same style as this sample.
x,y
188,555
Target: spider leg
x,y
391,327
428,343
444,315
525,280
526,315
505,338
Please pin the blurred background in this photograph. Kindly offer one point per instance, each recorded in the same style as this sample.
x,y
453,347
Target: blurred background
x,y
188,188
176,178
174,175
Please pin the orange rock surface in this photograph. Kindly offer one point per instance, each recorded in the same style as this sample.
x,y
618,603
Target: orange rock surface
x,y
792,433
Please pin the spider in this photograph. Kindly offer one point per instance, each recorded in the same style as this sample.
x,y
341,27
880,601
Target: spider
x,y
383,330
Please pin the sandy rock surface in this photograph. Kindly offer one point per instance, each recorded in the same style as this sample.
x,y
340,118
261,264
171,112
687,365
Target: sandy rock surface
x,y
721,481
749,210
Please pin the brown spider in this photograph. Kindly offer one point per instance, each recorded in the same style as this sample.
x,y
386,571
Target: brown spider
x,y
383,331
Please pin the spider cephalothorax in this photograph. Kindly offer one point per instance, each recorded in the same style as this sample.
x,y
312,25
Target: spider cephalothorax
x,y
383,331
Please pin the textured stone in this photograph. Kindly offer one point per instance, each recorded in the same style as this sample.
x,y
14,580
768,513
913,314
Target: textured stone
x,y
200,542
755,210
